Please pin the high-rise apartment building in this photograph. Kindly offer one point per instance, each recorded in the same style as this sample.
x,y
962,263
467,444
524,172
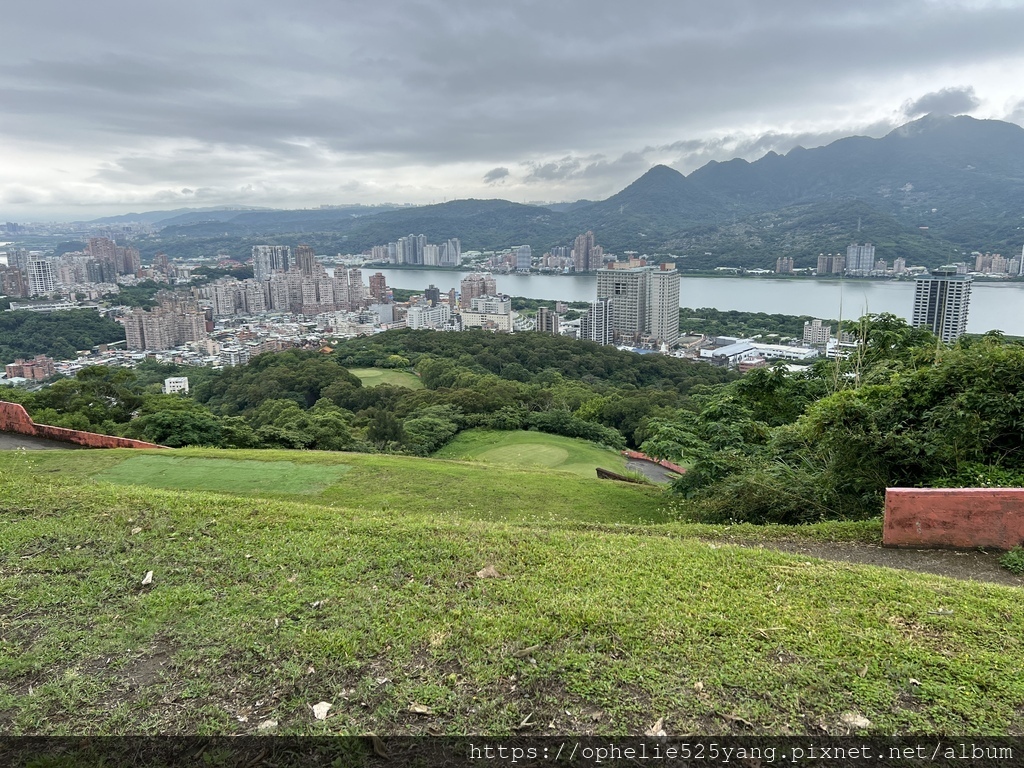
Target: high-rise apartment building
x,y
663,304
583,253
628,290
784,265
547,321
476,284
860,259
523,258
644,301
305,260
596,324
42,280
379,288
816,333
941,301
267,259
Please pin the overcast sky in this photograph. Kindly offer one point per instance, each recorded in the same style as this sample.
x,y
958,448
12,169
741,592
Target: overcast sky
x,y
108,106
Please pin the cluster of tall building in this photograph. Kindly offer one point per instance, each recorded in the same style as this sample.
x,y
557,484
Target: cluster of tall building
x,y
587,256
414,249
635,303
288,281
996,264
176,321
31,273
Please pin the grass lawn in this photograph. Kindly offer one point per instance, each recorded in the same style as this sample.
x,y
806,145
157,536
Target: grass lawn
x,y
371,377
176,472
373,483
533,450
260,607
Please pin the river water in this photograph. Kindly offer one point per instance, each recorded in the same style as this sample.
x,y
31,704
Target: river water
x,y
993,305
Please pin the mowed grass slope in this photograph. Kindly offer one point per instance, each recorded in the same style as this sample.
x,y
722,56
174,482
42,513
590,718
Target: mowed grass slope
x,y
371,377
373,483
532,450
260,607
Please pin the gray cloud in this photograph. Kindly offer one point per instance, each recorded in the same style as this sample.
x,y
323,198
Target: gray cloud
x,y
949,101
427,98
495,175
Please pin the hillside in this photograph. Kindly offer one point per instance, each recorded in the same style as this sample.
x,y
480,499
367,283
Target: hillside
x,y
425,597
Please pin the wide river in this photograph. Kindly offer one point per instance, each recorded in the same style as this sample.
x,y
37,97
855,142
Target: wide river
x,y
993,305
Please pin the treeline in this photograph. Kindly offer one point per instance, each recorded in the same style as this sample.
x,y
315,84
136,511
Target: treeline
x,y
308,400
60,335
530,357
906,411
720,322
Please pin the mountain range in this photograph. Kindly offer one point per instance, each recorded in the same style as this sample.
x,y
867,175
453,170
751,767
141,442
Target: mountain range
x,y
928,190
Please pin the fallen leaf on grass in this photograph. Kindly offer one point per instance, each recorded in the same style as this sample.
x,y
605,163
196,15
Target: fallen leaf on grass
x,y
854,720
420,709
267,725
914,681
525,722
136,530
320,710
698,686
527,651
147,579
490,572
657,729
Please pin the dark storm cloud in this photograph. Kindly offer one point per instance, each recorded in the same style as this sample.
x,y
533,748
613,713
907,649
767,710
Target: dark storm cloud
x,y
948,101
263,96
495,175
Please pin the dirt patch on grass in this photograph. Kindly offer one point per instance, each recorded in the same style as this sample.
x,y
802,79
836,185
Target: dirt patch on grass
x,y
969,565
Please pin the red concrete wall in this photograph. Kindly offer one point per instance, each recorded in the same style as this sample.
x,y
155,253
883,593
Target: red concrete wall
x,y
965,518
14,418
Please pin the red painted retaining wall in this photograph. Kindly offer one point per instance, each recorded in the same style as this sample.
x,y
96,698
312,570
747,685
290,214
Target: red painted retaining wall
x,y
14,418
965,518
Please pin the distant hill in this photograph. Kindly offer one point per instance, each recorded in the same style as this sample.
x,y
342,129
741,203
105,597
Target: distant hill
x,y
927,190
939,171
218,213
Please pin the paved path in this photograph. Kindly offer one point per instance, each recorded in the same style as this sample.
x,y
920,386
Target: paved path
x,y
652,471
10,441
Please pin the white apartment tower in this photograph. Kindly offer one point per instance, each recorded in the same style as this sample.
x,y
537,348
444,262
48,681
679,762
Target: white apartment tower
x,y
627,288
663,304
41,278
596,325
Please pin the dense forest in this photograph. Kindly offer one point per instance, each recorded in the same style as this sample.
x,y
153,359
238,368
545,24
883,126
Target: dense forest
x,y
60,335
905,411
721,322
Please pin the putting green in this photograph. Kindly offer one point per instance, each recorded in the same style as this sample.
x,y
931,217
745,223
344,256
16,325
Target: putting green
x,y
532,449
183,473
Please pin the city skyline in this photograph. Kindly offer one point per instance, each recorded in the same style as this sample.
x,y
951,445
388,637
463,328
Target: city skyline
x,y
421,102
